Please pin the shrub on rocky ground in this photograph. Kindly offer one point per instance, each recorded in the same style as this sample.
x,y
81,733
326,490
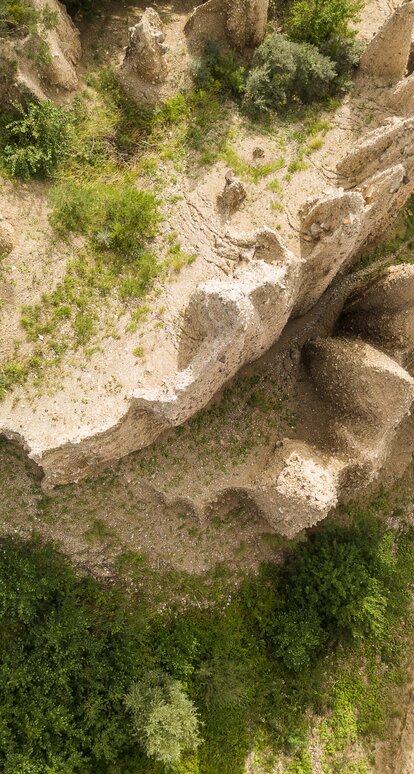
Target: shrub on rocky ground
x,y
317,21
35,139
219,69
284,72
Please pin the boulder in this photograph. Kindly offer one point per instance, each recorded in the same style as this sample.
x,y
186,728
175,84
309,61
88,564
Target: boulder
x,y
233,194
144,68
370,394
301,491
391,144
242,23
7,238
383,312
387,55
146,50
402,98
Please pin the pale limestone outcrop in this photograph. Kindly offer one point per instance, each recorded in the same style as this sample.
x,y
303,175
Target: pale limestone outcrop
x,y
371,394
300,490
231,322
383,313
331,230
386,56
242,23
402,98
227,324
379,150
232,195
22,75
144,67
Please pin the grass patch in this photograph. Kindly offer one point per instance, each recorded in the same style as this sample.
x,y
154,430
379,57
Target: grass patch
x,y
249,172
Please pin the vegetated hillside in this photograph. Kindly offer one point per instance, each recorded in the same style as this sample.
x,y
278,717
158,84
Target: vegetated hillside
x,y
298,667
208,644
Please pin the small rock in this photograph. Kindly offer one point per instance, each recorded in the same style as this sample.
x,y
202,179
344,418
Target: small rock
x,y
316,229
232,196
258,153
7,238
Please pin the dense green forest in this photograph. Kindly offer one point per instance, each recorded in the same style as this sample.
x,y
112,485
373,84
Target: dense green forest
x,y
101,678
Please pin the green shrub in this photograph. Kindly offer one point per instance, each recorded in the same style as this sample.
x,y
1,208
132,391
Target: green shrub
x,y
317,21
164,718
119,219
36,140
85,671
219,69
129,219
345,51
284,71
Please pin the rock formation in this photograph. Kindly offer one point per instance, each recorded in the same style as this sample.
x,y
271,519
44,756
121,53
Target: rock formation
x,y
364,373
6,238
233,194
384,312
21,74
144,66
402,98
242,23
387,55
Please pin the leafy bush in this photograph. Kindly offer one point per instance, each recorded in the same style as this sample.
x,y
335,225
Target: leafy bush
x,y
284,71
36,140
164,718
317,21
219,69
68,656
341,585
345,51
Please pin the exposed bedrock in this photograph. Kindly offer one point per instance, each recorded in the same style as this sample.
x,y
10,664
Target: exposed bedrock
x,y
144,67
21,75
370,392
231,322
242,23
402,97
387,55
368,395
383,313
391,144
299,489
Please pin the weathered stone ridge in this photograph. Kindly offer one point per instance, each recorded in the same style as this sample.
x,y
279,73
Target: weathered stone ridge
x,y
20,75
364,372
241,23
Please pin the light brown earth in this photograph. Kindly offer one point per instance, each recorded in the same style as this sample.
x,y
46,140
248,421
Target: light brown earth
x,y
89,396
